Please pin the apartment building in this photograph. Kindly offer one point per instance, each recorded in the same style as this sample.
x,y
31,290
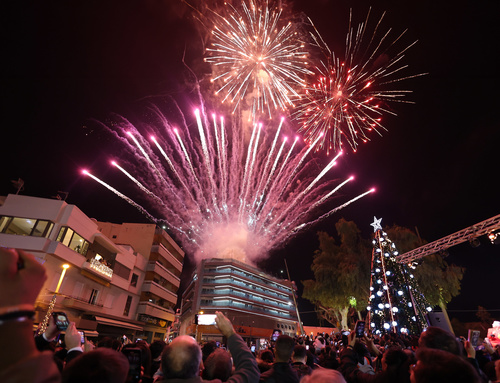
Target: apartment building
x,y
109,288
158,292
258,304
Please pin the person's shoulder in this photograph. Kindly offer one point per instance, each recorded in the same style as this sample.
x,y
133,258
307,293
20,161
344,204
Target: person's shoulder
x,y
267,377
266,374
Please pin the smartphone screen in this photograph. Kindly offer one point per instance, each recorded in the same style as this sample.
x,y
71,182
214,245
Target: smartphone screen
x,y
360,328
61,320
206,319
473,337
134,356
82,336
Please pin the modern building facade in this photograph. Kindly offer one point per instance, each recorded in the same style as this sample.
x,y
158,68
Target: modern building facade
x,y
110,288
257,303
165,259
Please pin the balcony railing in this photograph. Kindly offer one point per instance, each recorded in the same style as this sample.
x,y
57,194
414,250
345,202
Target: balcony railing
x,y
153,310
101,268
204,305
160,291
165,253
80,304
159,269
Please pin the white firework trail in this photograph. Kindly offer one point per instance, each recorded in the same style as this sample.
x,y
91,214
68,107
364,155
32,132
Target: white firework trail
x,y
225,197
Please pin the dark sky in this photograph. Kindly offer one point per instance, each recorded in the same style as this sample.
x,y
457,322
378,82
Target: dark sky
x,y
66,64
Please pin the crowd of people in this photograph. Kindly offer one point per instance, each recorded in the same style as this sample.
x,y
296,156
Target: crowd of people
x,y
434,356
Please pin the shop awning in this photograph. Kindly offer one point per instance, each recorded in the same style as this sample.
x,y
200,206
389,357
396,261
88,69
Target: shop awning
x,y
117,323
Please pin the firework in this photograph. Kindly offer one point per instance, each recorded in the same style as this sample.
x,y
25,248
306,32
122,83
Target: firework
x,y
347,101
224,195
257,58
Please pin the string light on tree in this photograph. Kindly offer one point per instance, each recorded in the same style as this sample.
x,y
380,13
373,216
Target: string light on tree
x,y
395,302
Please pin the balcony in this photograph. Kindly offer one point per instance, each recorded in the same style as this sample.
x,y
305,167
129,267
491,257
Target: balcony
x,y
98,269
248,297
164,253
159,291
253,289
80,304
24,242
157,268
247,277
156,311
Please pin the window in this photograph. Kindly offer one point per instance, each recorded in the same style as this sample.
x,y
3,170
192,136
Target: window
x,y
42,228
133,281
73,240
25,226
93,296
126,310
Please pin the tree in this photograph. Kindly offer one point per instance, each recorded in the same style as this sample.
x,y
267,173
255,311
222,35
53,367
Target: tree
x,y
485,317
342,274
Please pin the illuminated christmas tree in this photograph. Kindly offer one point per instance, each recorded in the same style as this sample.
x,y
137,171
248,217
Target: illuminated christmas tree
x,y
395,303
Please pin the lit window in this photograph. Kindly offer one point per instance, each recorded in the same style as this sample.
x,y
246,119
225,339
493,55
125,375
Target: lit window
x,y
25,226
72,240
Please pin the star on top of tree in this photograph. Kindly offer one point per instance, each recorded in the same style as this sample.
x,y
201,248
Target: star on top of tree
x,y
376,224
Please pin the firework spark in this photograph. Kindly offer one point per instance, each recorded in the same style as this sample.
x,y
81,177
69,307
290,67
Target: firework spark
x,y
223,195
257,58
349,98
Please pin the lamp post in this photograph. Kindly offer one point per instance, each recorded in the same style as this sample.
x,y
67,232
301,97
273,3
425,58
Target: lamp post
x,y
65,267
43,326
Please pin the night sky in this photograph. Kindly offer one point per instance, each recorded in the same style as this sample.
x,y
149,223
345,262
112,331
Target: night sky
x,y
67,65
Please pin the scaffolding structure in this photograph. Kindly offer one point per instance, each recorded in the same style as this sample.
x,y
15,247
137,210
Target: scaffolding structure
x,y
488,227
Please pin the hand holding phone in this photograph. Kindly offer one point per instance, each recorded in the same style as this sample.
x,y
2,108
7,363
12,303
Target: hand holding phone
x,y
134,356
61,320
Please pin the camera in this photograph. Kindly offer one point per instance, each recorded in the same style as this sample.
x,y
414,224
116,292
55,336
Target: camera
x,y
61,320
134,356
205,319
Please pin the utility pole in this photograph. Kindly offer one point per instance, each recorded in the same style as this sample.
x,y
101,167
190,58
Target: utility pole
x,y
295,302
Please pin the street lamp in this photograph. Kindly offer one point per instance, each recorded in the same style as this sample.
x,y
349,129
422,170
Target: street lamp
x,y
65,267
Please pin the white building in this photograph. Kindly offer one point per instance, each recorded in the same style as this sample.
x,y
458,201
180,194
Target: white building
x,y
103,290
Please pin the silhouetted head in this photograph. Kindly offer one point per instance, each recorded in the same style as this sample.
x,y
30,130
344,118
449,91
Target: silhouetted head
x,y
438,366
181,359
102,365
284,348
437,338
218,365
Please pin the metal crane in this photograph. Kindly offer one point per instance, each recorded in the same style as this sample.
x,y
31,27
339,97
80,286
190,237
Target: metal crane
x,y
489,226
